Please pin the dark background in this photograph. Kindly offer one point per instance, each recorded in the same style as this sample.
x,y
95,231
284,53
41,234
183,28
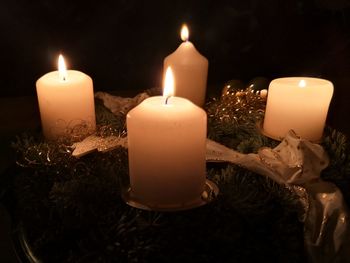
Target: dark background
x,y
121,44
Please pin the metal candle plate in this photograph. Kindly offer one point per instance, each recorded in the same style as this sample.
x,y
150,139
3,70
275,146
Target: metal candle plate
x,y
209,193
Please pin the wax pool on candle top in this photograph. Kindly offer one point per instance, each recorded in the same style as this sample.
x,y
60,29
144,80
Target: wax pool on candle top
x,y
190,70
66,103
297,103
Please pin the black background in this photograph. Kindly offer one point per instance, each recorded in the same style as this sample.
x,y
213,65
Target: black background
x,y
121,44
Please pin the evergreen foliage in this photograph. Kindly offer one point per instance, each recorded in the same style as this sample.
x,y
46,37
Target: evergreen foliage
x,y
71,210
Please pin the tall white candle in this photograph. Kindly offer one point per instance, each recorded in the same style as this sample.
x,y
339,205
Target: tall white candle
x,y
166,145
297,103
190,70
66,103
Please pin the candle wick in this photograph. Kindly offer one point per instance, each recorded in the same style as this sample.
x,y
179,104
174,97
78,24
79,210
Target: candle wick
x,y
166,100
62,77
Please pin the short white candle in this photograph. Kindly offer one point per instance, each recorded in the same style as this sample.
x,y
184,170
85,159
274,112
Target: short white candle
x,y
166,145
190,70
300,104
66,103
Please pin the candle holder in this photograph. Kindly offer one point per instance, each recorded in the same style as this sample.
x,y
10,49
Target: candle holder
x,y
209,193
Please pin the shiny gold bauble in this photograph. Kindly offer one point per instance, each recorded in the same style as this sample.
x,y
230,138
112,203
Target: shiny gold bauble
x,y
259,83
231,87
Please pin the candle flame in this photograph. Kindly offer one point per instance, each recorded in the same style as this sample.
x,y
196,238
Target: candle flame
x,y
62,69
168,84
184,32
302,83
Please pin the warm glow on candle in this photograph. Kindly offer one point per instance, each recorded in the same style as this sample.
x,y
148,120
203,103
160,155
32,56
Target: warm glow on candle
x,y
62,69
168,84
297,103
66,106
190,69
184,33
302,83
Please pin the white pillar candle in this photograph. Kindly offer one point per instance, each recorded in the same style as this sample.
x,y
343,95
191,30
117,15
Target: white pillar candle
x,y
190,70
66,103
166,145
297,103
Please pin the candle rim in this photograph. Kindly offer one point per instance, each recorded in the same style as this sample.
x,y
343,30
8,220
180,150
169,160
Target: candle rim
x,y
178,106
52,78
174,101
287,81
183,48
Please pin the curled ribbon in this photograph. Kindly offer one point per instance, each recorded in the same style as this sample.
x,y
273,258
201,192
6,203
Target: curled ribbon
x,y
298,163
